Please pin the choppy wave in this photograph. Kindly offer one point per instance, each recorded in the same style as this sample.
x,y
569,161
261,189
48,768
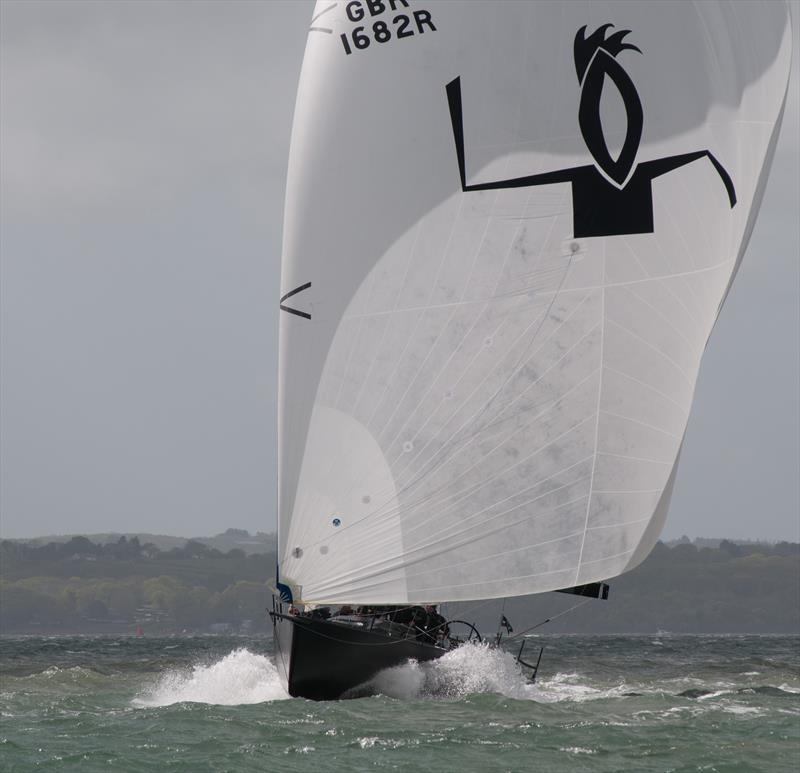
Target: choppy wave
x,y
478,668
472,668
616,703
238,678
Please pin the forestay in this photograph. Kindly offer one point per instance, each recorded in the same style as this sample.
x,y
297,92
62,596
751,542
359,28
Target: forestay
x,y
485,383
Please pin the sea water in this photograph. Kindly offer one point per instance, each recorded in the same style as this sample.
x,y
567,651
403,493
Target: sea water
x,y
214,703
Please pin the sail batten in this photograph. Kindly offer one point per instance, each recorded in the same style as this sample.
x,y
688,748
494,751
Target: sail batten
x,y
491,325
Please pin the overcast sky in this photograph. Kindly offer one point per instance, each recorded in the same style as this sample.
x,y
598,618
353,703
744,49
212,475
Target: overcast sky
x,y
143,160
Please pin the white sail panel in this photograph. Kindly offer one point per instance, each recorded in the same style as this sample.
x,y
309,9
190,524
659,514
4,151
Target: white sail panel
x,y
484,386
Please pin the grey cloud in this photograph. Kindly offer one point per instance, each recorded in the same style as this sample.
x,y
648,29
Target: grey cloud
x,y
144,149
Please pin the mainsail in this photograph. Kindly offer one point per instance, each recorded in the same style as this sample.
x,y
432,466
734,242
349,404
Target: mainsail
x,y
509,231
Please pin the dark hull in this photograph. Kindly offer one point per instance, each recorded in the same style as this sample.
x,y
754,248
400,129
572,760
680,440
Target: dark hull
x,y
321,660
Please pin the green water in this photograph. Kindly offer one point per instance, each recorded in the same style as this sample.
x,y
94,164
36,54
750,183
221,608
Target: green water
x,y
603,703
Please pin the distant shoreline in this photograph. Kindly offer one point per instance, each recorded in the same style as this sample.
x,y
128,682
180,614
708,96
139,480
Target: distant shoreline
x,y
77,586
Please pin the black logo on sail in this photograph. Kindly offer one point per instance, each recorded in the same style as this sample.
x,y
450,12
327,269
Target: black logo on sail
x,y
610,197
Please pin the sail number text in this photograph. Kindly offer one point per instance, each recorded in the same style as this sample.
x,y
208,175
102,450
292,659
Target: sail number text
x,y
403,25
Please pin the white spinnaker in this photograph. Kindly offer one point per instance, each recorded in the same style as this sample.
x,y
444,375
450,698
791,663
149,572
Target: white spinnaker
x,y
483,404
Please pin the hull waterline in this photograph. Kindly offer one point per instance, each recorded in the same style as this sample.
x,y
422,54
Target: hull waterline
x,y
322,660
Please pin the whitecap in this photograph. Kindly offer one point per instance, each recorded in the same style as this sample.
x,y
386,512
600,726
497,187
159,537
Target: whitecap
x,y
479,668
240,677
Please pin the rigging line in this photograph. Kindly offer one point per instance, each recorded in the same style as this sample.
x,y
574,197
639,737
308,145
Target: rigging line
x,y
549,620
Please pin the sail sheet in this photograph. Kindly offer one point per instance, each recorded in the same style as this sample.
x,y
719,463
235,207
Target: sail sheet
x,y
509,229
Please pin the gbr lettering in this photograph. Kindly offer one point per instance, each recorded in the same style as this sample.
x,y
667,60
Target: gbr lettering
x,y
392,24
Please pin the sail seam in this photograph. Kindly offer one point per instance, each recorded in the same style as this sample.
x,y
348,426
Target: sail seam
x,y
620,523
543,412
655,349
650,387
658,278
692,345
401,287
642,424
377,516
634,458
461,496
516,370
597,423
399,564
470,490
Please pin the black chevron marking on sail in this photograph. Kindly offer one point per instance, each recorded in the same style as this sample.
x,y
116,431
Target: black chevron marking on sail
x,y
289,295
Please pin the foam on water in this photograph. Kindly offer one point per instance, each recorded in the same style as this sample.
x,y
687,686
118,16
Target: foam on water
x,y
240,677
479,668
472,668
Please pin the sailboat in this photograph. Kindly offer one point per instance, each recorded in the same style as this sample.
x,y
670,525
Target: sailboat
x,y
509,230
